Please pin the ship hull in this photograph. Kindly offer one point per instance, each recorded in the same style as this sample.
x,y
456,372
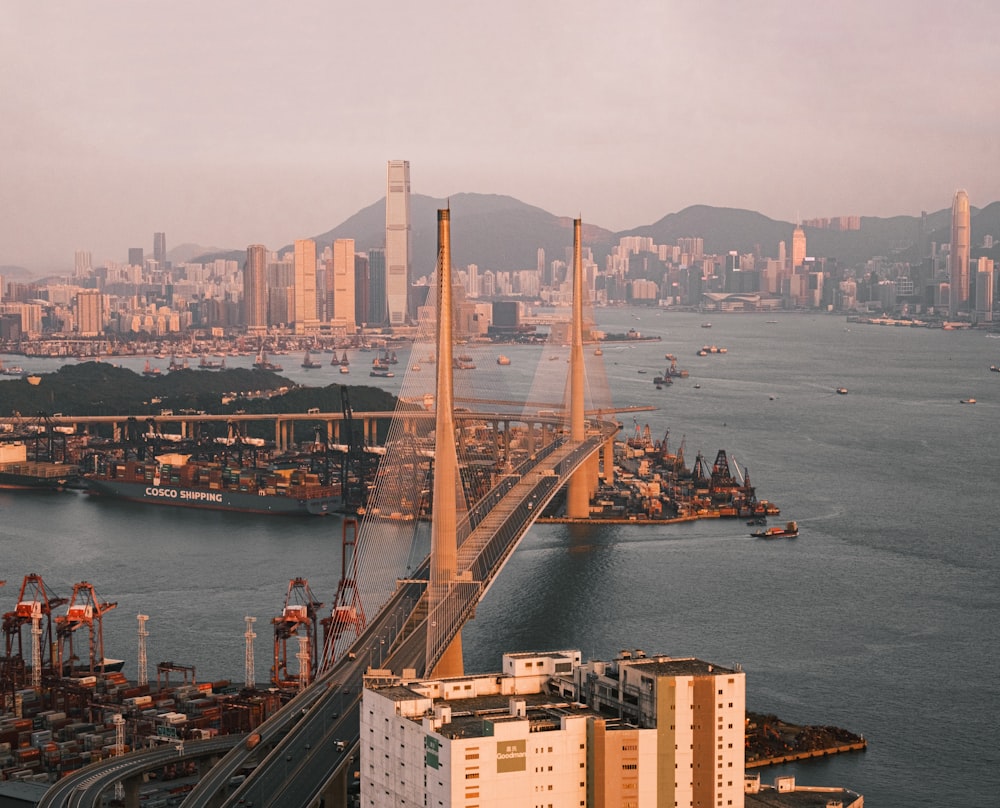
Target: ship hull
x,y
35,479
214,500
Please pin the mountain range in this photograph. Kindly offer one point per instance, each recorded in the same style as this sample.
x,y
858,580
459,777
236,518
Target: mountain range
x,y
502,233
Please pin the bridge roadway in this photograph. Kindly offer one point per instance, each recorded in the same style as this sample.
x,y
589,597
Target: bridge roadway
x,y
319,749
310,743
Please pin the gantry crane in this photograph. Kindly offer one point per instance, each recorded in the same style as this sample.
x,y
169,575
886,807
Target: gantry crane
x,y
32,591
299,618
85,610
348,613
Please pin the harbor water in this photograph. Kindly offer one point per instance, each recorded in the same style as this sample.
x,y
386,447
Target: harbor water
x,y
883,617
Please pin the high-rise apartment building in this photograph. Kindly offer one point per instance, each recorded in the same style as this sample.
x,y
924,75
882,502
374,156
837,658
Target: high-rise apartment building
x,y
305,285
255,288
397,240
653,732
160,249
81,263
343,283
89,313
961,239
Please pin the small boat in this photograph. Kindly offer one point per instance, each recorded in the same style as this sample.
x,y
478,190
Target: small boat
x,y
263,363
706,325
642,371
598,352
697,387
344,361
968,401
415,368
211,364
308,362
150,372
995,368
842,391
503,360
789,531
381,371
344,369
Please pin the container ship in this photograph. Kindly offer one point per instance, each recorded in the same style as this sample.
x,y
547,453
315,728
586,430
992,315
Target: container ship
x,y
175,480
18,472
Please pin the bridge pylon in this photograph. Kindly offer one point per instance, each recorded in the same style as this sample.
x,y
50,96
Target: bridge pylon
x,y
580,484
444,524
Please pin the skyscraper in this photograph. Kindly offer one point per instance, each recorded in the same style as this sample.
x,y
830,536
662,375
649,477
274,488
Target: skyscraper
x,y
255,287
397,239
376,292
135,257
305,285
343,283
984,290
160,249
798,247
90,313
958,261
81,263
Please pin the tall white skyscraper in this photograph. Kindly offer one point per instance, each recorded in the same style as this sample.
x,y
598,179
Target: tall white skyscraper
x,y
961,239
305,284
397,239
343,282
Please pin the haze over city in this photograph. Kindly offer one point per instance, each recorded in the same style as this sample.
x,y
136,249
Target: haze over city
x,y
228,124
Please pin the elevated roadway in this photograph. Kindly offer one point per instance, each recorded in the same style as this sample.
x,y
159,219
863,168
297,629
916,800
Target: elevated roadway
x,y
313,758
306,750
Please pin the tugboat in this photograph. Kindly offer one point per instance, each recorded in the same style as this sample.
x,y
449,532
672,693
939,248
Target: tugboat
x,y
503,360
841,391
789,531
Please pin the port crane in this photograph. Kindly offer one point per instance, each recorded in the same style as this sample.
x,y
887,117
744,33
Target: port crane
x,y
86,610
348,613
298,619
33,591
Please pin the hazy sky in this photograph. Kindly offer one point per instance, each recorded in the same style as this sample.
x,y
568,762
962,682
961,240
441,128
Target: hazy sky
x,y
228,123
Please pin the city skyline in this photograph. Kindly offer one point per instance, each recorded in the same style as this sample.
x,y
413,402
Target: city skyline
x,y
121,124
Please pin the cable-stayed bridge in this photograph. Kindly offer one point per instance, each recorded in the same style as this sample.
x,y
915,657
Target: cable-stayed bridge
x,y
405,595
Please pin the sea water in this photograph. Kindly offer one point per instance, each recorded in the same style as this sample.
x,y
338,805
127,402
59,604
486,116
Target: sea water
x,y
882,617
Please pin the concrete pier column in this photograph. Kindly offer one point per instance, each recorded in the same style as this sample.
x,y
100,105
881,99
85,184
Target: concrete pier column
x,y
277,434
334,793
131,788
578,493
609,462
